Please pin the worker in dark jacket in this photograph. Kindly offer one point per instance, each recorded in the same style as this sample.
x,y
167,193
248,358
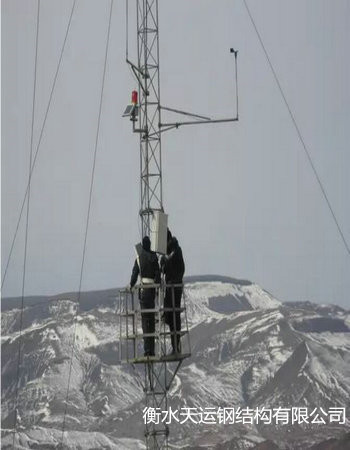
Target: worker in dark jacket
x,y
146,265
174,268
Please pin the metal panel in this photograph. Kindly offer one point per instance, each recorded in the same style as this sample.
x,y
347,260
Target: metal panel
x,y
159,228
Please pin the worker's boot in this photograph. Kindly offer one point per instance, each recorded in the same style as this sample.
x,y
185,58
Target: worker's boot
x,y
173,352
178,347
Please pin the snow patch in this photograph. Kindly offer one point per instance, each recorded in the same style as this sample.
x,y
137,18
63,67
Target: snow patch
x,y
84,336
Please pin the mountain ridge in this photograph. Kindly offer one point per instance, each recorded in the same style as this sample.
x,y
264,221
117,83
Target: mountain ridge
x,y
248,350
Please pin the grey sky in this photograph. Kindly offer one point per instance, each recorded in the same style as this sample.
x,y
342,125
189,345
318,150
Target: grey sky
x,y
241,198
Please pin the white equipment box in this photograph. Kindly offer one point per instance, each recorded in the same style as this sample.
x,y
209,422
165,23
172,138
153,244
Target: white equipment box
x,y
159,227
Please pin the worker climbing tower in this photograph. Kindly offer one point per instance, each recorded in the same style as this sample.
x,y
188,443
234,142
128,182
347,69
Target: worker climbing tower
x,y
157,371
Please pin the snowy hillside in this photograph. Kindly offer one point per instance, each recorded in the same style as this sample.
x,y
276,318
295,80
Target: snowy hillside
x,y
248,350
206,298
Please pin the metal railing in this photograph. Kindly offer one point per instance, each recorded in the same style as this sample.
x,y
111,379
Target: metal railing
x,y
170,323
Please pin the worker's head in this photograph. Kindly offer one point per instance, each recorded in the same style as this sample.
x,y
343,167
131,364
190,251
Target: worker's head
x,y
169,235
146,243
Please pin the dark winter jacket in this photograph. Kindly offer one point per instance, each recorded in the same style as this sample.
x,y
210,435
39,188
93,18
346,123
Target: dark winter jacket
x,y
147,263
173,263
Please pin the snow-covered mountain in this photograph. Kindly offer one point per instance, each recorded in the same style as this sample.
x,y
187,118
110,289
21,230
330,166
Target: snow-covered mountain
x,y
248,350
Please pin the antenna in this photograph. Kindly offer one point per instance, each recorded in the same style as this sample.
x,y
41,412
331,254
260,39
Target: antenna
x,y
144,112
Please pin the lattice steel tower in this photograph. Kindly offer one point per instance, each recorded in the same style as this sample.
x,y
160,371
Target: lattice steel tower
x,y
145,113
147,74
158,371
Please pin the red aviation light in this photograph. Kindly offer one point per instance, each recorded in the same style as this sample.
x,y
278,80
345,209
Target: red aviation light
x,y
134,97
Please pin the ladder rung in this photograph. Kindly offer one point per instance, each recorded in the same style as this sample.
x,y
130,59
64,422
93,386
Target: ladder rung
x,y
155,393
163,333
153,359
164,432
153,310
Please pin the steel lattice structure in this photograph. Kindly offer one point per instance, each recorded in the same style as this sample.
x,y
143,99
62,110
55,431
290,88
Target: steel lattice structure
x,y
158,375
149,113
158,371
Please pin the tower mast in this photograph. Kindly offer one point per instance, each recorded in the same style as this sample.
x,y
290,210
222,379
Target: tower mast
x,y
145,111
147,72
159,370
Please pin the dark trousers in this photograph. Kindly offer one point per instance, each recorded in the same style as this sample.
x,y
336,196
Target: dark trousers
x,y
173,319
148,321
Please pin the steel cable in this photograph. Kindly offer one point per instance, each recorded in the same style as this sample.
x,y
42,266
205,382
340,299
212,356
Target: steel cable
x,y
87,221
26,227
39,143
324,193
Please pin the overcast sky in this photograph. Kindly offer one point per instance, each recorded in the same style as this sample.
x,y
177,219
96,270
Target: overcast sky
x,y
241,197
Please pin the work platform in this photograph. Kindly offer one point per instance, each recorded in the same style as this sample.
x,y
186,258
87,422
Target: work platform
x,y
156,373
131,335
